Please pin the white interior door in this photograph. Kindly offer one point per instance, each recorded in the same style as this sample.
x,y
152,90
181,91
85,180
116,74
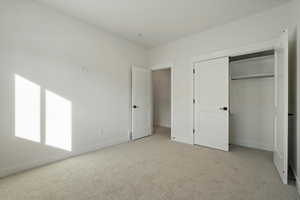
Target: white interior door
x,y
141,102
280,155
211,90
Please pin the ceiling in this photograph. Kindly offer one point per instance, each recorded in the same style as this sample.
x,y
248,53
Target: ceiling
x,y
156,22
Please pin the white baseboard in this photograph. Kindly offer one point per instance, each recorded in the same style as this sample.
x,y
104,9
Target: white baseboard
x,y
298,184
251,145
51,159
162,125
297,179
32,164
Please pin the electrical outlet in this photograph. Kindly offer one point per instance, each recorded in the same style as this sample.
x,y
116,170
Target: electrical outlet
x,y
130,135
101,132
84,69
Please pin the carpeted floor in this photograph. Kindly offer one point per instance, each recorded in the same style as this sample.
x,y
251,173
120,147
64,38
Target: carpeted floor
x,y
153,168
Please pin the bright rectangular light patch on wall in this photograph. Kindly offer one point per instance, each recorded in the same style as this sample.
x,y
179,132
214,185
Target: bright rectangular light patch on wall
x,y
58,121
27,109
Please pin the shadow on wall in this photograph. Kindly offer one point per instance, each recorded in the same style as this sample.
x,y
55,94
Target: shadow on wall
x,y
41,115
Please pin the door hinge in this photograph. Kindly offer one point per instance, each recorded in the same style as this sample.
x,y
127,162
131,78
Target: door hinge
x,y
193,131
194,71
194,101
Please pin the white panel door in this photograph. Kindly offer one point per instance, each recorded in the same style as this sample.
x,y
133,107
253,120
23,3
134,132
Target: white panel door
x,y
211,90
141,102
280,155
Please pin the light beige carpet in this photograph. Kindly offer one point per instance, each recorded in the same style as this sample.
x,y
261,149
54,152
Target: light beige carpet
x,y
153,168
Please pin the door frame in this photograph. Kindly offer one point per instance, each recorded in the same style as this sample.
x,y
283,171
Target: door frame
x,y
160,67
248,49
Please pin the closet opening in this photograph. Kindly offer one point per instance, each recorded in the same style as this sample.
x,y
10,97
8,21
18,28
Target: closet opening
x,y
251,100
242,99
161,90
252,96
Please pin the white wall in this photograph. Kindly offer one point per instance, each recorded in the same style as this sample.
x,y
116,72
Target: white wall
x,y
162,97
252,104
79,62
253,29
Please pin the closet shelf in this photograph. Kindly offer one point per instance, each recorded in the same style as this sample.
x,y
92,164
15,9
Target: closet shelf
x,y
266,75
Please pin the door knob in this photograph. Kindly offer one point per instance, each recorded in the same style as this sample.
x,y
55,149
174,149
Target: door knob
x,y
224,108
135,106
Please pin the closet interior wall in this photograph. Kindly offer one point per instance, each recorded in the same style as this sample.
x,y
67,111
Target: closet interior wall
x,y
252,101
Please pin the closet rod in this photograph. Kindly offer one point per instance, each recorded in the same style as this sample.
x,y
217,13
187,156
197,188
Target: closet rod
x,y
251,55
252,76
